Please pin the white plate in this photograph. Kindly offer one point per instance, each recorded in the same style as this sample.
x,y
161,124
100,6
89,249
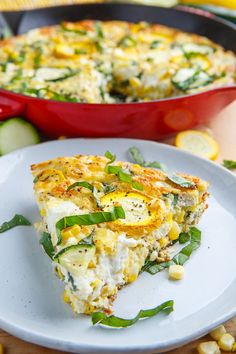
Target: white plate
x,y
31,305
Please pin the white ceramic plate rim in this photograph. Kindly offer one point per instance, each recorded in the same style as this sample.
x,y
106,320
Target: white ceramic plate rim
x,y
51,342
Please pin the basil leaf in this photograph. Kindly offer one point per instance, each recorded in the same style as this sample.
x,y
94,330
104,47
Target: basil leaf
x,y
110,156
114,321
38,56
136,155
89,219
230,164
123,176
46,242
17,220
75,30
180,258
99,30
35,179
81,184
155,44
181,181
138,158
127,42
184,237
88,186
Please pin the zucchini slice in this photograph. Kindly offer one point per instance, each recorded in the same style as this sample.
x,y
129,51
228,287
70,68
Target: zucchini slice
x,y
76,258
54,74
189,78
195,49
16,133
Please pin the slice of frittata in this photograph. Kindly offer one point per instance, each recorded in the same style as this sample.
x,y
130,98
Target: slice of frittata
x,y
102,219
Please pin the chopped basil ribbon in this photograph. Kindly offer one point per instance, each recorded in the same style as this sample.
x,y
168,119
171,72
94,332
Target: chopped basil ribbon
x,y
17,220
88,186
89,219
155,44
35,179
184,237
46,242
127,42
181,181
114,321
180,258
110,157
81,184
75,30
99,30
123,176
38,56
230,164
138,158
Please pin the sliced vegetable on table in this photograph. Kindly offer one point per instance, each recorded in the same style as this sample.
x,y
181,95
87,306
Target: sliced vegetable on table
x,y
16,133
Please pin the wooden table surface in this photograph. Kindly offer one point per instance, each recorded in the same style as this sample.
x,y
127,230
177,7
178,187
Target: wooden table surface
x,y
223,128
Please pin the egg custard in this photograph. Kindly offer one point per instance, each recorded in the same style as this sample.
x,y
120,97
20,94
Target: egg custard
x,y
112,61
102,219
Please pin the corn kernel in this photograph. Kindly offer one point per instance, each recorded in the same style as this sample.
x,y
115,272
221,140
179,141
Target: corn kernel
x,y
163,242
226,342
63,51
176,272
218,332
66,297
153,256
135,82
1,349
181,217
42,212
174,231
208,348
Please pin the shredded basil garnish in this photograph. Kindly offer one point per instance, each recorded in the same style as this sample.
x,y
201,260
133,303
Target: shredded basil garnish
x,y
89,219
17,220
114,321
75,30
110,156
99,30
184,237
138,158
38,56
181,181
81,184
46,242
88,186
180,258
127,41
154,44
230,164
124,176
35,179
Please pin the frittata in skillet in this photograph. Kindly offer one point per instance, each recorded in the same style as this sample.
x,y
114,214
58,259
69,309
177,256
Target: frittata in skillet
x,y
103,218
114,61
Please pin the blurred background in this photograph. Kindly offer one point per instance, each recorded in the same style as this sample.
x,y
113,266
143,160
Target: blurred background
x,y
223,8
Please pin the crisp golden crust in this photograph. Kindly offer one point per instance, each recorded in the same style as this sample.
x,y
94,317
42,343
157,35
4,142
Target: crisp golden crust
x,y
113,61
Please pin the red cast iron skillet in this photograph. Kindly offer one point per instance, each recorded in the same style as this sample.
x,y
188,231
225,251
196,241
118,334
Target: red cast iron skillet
x,y
148,120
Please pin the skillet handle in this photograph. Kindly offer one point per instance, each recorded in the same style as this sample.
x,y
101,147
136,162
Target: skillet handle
x,y
10,106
